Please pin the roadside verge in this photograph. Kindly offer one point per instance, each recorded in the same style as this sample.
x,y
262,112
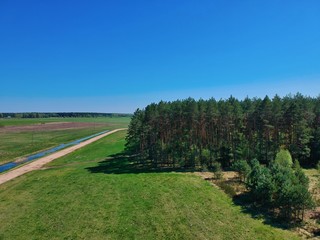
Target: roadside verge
x,y
37,164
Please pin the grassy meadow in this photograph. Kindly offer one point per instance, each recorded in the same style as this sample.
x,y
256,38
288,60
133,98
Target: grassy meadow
x,y
89,195
16,144
113,121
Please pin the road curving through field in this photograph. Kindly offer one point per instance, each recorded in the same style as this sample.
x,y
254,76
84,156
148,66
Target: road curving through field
x,y
37,164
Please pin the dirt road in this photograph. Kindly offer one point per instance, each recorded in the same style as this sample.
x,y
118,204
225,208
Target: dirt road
x,y
37,164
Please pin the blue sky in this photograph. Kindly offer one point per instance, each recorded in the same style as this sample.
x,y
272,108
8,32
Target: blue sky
x,y
116,56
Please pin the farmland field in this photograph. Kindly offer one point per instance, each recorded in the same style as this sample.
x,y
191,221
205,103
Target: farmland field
x,y
89,195
27,121
21,137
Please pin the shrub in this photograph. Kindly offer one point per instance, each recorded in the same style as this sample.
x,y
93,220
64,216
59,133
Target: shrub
x,y
296,165
217,170
204,168
243,168
281,187
284,158
261,184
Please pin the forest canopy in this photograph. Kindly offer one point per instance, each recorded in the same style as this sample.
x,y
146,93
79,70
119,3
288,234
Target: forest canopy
x,y
189,133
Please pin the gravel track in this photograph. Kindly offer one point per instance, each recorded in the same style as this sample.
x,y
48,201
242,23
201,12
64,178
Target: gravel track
x,y
39,163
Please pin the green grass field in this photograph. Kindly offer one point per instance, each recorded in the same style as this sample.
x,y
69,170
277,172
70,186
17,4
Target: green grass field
x,y
86,195
119,121
18,144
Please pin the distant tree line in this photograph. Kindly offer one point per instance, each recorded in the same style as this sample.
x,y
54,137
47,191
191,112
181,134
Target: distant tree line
x,y
61,115
189,133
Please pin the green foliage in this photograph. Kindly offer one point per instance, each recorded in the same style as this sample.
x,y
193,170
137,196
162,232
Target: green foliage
x,y
90,197
301,178
189,133
243,168
294,199
284,158
261,184
281,187
135,134
296,165
206,158
217,170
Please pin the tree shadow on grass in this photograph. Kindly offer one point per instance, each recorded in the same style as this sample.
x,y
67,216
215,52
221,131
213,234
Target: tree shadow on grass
x,y
122,164
244,200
